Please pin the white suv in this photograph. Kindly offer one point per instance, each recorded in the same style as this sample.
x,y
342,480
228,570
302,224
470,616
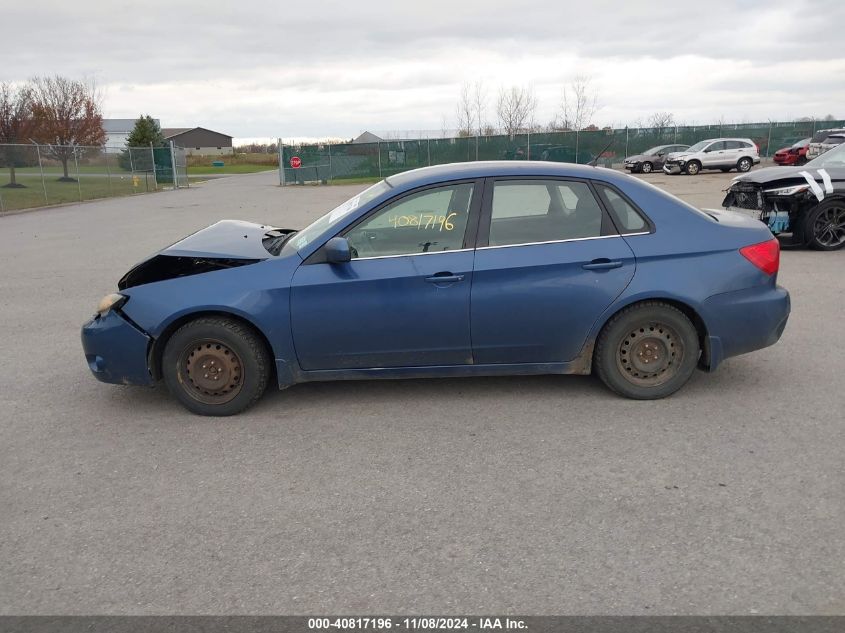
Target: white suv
x,y
715,153
824,140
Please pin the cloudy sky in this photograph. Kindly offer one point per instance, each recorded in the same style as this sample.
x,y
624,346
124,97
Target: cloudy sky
x,y
333,69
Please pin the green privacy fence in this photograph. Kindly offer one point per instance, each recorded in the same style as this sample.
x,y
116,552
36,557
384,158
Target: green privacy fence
x,y
609,147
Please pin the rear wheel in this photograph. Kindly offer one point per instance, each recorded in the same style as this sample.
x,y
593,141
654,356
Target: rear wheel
x,y
216,366
693,167
647,351
647,167
744,164
825,226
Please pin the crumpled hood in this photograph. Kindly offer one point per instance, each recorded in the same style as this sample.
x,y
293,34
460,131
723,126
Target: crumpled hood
x,y
226,244
227,238
677,155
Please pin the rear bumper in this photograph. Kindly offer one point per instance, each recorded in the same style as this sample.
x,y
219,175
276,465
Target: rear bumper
x,y
744,321
116,351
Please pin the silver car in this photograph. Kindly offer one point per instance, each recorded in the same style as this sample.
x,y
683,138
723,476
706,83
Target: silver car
x,y
714,153
824,140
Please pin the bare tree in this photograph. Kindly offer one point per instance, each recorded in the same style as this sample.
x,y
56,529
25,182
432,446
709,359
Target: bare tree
x,y
579,105
661,120
660,123
466,111
15,126
516,109
479,103
67,114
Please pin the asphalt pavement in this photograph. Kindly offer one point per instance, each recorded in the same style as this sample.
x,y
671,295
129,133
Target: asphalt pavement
x,y
531,495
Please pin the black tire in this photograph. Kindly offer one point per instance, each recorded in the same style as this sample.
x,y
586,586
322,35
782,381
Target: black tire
x,y
236,360
693,168
744,164
645,333
646,167
824,226
725,169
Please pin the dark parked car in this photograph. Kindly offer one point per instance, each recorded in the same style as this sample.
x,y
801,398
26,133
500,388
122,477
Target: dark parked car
x,y
803,206
469,269
651,159
795,154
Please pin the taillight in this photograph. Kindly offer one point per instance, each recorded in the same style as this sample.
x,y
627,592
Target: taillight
x,y
765,255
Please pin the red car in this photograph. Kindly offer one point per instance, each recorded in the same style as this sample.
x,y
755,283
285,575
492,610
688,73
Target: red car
x,y
794,154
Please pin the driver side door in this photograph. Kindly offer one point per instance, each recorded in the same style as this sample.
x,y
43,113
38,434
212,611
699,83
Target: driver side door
x,y
714,154
403,299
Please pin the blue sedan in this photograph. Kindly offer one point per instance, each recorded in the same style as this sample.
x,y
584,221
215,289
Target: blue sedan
x,y
470,269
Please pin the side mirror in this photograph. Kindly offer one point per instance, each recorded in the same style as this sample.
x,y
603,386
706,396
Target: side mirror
x,y
661,153
338,251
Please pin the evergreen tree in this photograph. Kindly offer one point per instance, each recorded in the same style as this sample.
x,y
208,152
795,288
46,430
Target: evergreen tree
x,y
146,131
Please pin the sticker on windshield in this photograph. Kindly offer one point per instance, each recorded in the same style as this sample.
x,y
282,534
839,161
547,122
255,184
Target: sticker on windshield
x,y
346,207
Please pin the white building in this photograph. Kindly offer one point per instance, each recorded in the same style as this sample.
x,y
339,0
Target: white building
x,y
118,130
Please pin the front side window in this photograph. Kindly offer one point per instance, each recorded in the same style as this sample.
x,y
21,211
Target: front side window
x,y
530,211
430,221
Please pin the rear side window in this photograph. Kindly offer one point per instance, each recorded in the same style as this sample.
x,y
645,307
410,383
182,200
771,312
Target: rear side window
x,y
530,211
626,217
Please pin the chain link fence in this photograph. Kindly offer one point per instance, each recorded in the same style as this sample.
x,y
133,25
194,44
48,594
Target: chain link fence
x,y
608,147
41,175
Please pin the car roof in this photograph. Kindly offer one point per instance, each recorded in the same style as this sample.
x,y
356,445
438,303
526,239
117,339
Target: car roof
x,y
488,168
726,138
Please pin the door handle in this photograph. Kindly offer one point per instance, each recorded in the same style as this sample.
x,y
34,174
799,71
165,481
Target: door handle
x,y
602,264
444,278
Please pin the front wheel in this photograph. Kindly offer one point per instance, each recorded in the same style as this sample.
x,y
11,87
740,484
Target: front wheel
x,y
744,164
825,226
216,366
647,167
647,351
693,167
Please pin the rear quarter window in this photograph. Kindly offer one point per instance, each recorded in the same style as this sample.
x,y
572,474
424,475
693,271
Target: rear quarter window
x,y
625,215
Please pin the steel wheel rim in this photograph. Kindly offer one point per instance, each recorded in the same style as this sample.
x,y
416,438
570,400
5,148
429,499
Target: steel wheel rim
x,y
650,354
693,168
744,164
829,227
210,371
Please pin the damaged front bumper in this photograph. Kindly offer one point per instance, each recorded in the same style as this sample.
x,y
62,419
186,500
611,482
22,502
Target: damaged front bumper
x,y
116,350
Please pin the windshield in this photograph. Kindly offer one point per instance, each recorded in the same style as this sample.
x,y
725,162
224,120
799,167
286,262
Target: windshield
x,y
652,151
800,143
832,158
305,236
698,146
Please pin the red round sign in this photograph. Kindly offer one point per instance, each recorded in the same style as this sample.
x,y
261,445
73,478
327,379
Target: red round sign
x,y
295,162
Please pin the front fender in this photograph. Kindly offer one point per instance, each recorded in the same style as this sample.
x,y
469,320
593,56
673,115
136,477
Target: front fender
x,y
259,294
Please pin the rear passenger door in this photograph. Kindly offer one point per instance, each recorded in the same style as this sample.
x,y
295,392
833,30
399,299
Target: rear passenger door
x,y
734,150
548,262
